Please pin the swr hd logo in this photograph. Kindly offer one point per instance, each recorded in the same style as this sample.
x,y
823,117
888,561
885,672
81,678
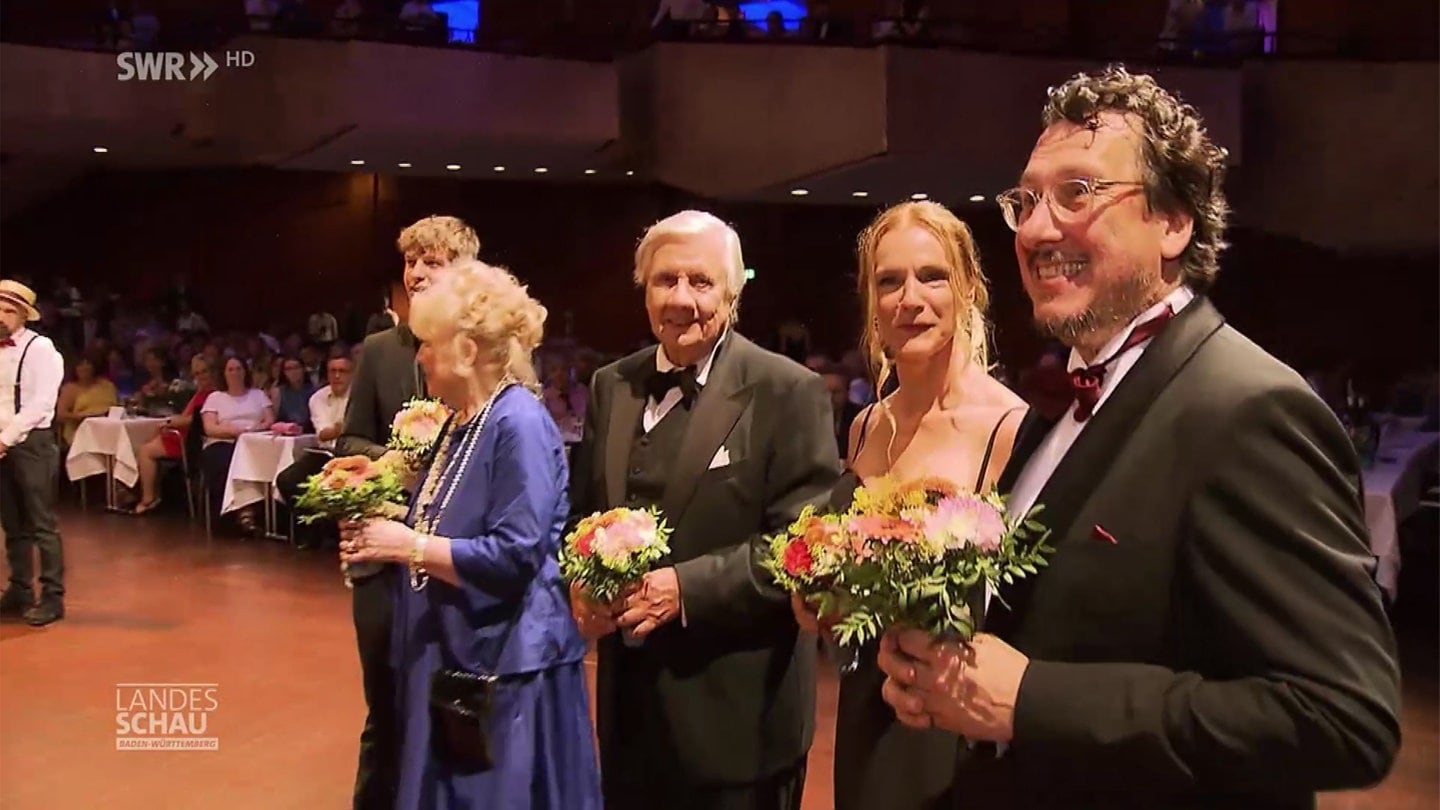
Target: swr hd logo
x,y
171,66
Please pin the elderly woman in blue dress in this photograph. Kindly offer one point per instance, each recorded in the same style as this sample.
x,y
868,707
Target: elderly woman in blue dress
x,y
489,662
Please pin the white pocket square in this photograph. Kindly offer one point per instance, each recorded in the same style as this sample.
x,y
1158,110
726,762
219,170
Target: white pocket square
x,y
721,459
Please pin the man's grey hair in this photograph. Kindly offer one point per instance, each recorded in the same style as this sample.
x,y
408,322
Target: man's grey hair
x,y
693,223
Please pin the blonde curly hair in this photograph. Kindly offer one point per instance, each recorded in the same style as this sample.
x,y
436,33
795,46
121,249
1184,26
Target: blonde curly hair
x,y
489,306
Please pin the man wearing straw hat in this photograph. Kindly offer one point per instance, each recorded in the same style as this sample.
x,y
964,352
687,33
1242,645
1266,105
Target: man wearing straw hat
x,y
31,371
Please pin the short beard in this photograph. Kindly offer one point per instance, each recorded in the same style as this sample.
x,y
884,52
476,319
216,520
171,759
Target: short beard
x,y
1120,304
5,331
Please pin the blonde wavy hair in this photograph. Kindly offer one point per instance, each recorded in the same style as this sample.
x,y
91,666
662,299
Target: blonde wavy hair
x,y
967,282
489,306
449,236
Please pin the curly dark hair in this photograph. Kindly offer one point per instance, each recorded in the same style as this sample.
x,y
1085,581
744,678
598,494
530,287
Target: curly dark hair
x,y
1183,169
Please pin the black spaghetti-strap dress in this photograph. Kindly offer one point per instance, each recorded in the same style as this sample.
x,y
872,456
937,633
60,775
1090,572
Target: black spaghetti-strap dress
x,y
881,764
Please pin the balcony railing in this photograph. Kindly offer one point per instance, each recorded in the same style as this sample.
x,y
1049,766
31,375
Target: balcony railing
x,y
605,40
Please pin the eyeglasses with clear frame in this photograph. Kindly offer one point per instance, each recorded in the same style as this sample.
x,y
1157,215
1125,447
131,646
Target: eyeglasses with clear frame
x,y
1069,200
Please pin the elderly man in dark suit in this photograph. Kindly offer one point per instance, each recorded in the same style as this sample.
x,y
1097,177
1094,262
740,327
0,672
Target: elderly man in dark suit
x,y
388,376
708,700
1208,632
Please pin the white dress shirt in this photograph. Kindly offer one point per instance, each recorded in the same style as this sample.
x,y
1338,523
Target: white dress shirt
x,y
327,409
1050,452
655,411
40,381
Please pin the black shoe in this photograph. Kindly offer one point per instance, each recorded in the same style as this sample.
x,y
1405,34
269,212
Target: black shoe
x,y
44,613
15,602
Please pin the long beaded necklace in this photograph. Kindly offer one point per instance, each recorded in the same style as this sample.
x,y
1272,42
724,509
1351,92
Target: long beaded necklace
x,y
451,468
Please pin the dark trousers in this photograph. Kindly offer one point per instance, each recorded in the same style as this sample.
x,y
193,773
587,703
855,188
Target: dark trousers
x,y
288,483
377,776
289,480
28,488
781,791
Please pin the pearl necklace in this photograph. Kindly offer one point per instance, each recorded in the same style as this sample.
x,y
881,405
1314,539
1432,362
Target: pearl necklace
x,y
449,466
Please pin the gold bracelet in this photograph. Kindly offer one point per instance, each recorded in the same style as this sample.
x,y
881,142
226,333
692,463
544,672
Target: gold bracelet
x,y
419,578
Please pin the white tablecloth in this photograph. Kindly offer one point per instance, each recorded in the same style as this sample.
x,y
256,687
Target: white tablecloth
x,y
101,438
259,459
1392,493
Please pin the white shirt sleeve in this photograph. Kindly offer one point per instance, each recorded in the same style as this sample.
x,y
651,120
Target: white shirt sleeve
x,y
40,378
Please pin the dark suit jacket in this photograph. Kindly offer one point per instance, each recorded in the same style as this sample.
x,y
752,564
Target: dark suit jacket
x,y
1229,648
738,679
385,380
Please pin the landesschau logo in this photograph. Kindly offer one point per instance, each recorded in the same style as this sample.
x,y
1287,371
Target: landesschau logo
x,y
172,66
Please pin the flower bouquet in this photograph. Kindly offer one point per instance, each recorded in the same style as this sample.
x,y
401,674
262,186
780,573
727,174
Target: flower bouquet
x,y
416,428
610,550
906,553
350,488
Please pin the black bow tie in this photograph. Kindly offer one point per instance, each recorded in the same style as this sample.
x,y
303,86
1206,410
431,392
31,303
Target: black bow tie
x,y
661,383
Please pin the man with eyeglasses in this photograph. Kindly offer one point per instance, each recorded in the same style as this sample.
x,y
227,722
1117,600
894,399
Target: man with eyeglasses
x,y
1208,632
327,415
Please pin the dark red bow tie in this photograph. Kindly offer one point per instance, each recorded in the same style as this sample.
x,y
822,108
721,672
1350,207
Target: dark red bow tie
x,y
7,342
1085,382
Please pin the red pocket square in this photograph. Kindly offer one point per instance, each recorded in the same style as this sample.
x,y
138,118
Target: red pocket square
x,y
1101,534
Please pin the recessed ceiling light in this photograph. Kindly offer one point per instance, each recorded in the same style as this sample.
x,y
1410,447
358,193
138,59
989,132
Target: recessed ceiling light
x,y
541,170
357,163
977,198
454,167
919,195
799,192
589,171
859,194
403,165
498,168
100,150
630,173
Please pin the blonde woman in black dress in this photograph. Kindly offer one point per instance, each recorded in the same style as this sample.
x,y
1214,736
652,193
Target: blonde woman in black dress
x,y
924,298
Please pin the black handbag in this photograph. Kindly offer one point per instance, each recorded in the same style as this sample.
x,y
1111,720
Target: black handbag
x,y
461,703
460,706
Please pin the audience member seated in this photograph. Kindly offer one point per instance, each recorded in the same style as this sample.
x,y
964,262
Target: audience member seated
x,y
146,26
119,371
312,359
157,380
345,24
169,443
566,400
84,395
837,382
228,413
291,397
421,22
262,14
327,414
821,26
263,376
295,19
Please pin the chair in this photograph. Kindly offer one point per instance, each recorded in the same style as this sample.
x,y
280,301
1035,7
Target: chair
x,y
196,484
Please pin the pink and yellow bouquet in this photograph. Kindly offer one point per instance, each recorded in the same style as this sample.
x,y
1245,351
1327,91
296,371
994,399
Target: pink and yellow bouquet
x,y
417,427
610,550
905,553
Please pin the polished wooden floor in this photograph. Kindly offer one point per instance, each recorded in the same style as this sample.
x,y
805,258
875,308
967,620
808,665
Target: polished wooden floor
x,y
151,601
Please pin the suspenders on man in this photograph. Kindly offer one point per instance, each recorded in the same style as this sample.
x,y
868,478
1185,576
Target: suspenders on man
x,y
30,374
